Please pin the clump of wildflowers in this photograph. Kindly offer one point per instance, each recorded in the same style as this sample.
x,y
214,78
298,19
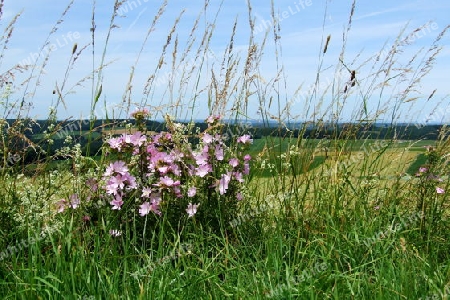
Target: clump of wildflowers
x,y
428,179
118,183
169,174
431,184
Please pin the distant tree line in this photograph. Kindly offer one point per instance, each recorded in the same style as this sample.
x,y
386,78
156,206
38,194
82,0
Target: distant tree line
x,y
32,141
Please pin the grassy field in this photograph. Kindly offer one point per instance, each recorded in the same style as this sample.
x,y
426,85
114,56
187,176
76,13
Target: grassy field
x,y
314,234
398,156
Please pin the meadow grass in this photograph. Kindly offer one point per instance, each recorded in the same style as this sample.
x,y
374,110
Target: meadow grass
x,y
335,218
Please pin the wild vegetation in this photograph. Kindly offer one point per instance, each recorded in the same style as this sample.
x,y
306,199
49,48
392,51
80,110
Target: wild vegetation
x,y
136,208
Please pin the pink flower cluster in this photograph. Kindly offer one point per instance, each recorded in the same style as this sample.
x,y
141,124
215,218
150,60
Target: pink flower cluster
x,y
74,200
63,204
118,182
169,169
430,177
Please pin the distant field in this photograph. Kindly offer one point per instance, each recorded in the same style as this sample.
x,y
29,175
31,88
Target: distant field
x,y
282,144
399,156
62,135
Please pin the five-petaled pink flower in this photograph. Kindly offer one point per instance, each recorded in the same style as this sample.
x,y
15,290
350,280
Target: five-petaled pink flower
x,y
207,138
219,152
191,192
245,139
117,167
246,168
423,169
192,209
144,209
92,184
114,183
223,183
74,201
238,177
202,157
203,170
146,192
168,182
234,162
239,196
115,143
212,119
61,205
117,202
137,139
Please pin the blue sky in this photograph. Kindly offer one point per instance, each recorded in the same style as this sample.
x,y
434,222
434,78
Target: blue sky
x,y
304,25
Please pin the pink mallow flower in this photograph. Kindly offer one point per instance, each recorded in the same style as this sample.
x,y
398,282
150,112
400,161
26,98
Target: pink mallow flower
x,y
155,208
115,143
119,167
163,169
74,201
156,198
202,157
192,191
92,184
175,169
219,152
144,209
440,190
245,139
246,168
146,192
166,181
238,176
212,119
207,138
247,157
192,209
234,162
203,170
177,191
423,169
138,139
147,207
117,202
61,205
223,183
130,181
115,183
